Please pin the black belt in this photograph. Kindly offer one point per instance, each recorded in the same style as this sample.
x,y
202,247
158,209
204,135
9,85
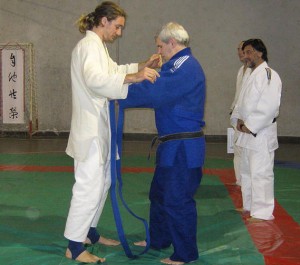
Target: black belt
x,y
175,136
254,134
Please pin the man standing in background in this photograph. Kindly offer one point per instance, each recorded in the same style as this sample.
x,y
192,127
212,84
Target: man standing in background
x,y
255,117
242,75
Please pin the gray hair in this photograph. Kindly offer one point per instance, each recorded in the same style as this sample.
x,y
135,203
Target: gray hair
x,y
175,31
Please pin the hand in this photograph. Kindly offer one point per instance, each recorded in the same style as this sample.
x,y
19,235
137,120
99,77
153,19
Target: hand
x,y
147,74
245,129
239,125
155,61
242,127
144,74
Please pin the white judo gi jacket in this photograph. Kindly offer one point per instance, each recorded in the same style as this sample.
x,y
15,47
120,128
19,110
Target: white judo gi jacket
x,y
241,77
257,106
96,78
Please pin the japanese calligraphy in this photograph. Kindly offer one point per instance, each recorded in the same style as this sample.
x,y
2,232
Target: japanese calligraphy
x,y
12,85
13,114
12,60
12,77
13,94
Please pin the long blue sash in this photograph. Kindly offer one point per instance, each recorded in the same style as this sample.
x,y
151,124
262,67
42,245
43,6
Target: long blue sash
x,y
116,181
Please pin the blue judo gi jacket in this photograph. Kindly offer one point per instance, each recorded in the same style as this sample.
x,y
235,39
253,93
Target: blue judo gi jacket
x,y
178,98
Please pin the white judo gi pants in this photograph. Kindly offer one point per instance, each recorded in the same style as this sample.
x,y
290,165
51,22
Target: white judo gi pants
x,y
237,158
90,191
258,182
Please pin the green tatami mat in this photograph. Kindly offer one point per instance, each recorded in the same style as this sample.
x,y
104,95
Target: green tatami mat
x,y
34,207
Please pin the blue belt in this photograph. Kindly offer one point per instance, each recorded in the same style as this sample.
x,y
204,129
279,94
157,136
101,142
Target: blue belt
x,y
116,181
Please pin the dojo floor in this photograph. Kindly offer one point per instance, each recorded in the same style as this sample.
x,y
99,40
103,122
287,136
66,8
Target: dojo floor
x,y
35,190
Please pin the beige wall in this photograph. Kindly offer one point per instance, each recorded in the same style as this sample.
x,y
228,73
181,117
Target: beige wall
x,y
215,28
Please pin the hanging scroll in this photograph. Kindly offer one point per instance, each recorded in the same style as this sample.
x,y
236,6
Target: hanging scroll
x,y
12,83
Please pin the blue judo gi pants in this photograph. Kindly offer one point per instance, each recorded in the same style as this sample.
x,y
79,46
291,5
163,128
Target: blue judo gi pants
x,y
173,213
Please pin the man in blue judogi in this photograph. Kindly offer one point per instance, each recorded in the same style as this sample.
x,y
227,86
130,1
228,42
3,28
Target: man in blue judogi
x,y
178,98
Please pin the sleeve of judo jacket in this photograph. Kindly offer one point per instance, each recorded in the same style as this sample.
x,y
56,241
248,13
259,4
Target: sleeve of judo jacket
x,y
168,88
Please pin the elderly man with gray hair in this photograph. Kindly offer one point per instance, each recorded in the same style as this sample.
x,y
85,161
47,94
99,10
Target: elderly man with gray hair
x,y
178,98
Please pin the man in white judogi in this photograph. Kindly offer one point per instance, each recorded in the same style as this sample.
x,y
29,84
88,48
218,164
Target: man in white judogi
x,y
255,117
242,76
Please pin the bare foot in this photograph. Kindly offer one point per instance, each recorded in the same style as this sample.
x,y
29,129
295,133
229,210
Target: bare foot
x,y
108,241
242,210
171,262
104,241
255,220
233,184
85,256
140,243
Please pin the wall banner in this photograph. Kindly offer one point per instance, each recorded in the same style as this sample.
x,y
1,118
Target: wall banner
x,y
12,83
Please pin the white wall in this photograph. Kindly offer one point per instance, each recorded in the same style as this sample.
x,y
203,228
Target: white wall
x,y
215,28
